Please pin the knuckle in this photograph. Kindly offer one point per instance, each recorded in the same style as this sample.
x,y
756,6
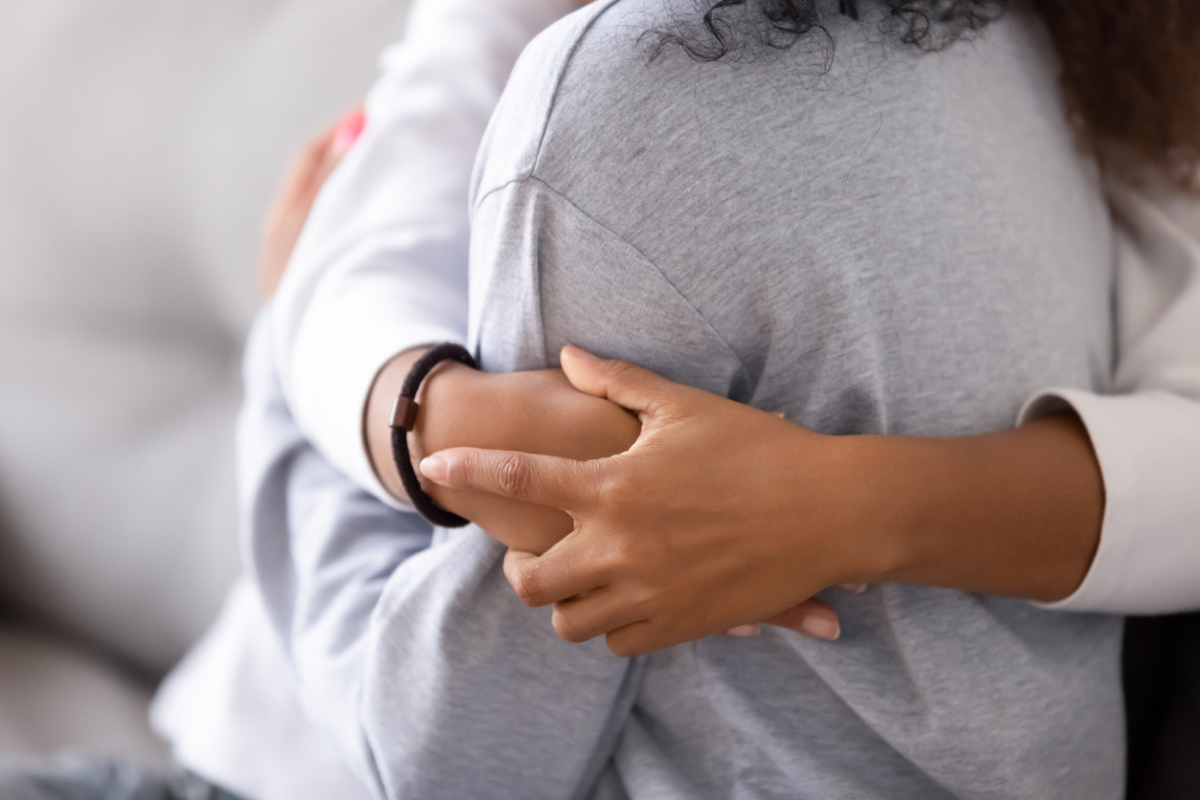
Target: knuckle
x,y
568,628
514,477
622,646
622,489
589,480
621,553
618,369
525,583
645,600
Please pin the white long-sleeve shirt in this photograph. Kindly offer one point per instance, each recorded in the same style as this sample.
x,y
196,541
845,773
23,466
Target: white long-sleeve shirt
x,y
382,268
382,264
1147,435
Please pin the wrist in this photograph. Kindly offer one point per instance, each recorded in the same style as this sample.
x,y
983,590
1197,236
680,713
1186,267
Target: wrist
x,y
884,509
1015,513
443,386
450,402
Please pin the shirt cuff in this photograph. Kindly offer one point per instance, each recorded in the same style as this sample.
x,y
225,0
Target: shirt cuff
x,y
1148,448
339,349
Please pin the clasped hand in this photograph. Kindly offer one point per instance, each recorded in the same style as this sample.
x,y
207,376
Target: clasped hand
x,y
719,515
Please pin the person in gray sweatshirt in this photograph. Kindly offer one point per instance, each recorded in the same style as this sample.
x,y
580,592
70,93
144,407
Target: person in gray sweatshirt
x,y
889,242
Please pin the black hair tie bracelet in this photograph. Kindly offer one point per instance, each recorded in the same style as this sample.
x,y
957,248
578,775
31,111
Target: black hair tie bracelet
x,y
404,417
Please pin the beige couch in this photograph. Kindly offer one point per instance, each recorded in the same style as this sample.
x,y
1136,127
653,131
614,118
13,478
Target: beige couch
x,y
140,141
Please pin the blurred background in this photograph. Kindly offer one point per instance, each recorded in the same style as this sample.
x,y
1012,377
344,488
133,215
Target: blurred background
x,y
140,143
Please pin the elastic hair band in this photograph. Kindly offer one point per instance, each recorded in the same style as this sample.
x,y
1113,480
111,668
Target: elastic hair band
x,y
404,417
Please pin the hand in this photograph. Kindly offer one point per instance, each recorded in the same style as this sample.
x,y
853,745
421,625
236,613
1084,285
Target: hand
x,y
289,210
719,511
718,516
538,412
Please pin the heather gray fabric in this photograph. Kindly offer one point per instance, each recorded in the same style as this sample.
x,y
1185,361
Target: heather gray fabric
x,y
908,245
407,646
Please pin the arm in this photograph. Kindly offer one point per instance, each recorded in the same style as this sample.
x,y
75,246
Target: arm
x,y
1147,436
408,650
1018,513
683,544
381,266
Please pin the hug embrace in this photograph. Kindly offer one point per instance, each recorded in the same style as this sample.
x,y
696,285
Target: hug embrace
x,y
838,391
886,222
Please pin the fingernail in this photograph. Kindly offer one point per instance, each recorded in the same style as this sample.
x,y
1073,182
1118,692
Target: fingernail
x,y
435,468
348,132
853,588
744,630
579,353
821,627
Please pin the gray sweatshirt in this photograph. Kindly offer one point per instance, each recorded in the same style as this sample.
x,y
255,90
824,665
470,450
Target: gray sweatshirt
x,y
908,245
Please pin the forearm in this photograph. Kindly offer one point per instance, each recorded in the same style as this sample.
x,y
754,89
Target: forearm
x,y
377,419
382,264
535,412
316,549
402,650
1016,513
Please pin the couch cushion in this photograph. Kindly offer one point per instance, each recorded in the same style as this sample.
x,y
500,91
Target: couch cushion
x,y
56,695
141,142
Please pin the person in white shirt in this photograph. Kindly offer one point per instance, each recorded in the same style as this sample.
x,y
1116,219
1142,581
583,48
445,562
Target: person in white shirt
x,y
390,234
381,270
373,240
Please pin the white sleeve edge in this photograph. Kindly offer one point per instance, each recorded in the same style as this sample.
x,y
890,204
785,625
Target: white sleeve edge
x,y
1148,448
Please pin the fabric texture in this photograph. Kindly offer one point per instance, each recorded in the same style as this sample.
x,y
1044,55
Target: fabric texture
x,y
231,713
769,236
1146,434
407,646
406,286
382,262
418,727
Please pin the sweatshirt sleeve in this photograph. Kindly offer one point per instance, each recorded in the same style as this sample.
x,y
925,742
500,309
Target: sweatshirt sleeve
x,y
382,264
407,646
1147,434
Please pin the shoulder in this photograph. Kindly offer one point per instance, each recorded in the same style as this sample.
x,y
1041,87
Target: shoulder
x,y
511,143
591,55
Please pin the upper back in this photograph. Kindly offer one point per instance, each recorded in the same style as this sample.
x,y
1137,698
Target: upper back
x,y
909,243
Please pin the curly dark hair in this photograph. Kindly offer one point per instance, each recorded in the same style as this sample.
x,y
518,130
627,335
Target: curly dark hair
x,y
1130,68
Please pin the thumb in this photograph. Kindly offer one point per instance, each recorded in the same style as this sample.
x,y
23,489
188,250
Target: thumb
x,y
625,384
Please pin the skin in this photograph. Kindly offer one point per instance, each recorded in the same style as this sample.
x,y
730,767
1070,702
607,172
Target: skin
x,y
699,515
720,514
305,175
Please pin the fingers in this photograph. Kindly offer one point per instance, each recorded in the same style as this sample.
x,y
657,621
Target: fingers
x,y
313,166
305,176
632,640
811,618
542,580
563,483
582,618
627,385
753,629
347,132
